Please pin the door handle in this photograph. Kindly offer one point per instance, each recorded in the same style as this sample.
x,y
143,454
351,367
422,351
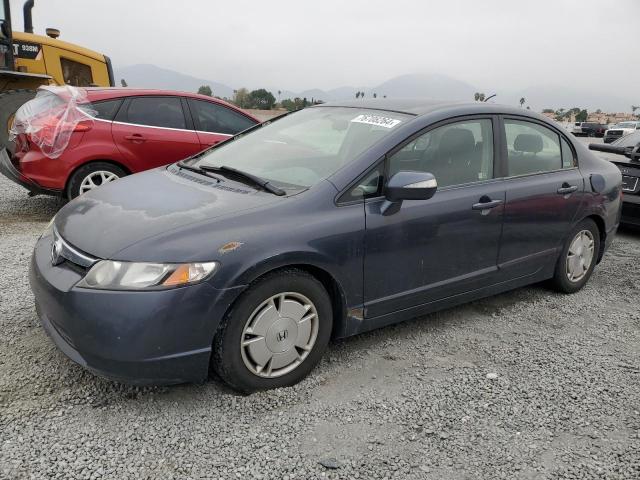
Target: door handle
x,y
211,144
566,189
136,137
487,204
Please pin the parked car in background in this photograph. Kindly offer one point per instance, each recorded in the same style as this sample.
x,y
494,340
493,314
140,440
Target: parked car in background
x,y
620,130
576,129
132,130
328,222
591,129
625,153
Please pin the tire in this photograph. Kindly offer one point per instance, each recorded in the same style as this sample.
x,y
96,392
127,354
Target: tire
x,y
244,367
76,186
561,280
10,102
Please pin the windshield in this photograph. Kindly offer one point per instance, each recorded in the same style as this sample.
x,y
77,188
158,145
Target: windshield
x,y
626,125
306,147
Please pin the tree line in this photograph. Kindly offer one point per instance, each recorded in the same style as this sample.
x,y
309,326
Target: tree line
x,y
564,115
261,99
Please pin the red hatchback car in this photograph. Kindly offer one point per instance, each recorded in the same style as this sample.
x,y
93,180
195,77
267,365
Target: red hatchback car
x,y
133,130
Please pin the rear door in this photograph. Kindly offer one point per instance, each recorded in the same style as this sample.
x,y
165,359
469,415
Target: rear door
x,y
544,190
153,130
215,123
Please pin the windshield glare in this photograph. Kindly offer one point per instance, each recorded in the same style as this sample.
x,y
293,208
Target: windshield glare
x,y
303,148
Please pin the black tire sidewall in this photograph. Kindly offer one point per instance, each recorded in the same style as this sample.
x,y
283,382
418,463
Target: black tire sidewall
x,y
73,186
561,281
227,358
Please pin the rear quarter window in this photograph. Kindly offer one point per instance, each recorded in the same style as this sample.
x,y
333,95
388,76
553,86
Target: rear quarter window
x,y
106,109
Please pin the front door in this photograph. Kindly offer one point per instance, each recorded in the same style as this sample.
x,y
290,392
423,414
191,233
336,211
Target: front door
x,y
544,192
432,249
152,131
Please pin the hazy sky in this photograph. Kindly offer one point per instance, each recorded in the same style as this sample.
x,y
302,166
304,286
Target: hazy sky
x,y
492,44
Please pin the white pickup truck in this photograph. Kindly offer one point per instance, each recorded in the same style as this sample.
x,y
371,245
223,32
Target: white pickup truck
x,y
620,130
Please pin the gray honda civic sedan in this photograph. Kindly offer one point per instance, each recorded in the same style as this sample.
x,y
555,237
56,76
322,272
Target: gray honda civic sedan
x,y
247,258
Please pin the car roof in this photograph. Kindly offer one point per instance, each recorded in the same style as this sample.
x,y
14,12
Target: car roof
x,y
95,94
112,92
425,106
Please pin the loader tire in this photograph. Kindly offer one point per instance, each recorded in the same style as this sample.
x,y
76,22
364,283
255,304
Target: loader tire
x,y
10,102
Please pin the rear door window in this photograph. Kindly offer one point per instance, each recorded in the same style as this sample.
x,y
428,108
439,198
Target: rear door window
x,y
154,111
531,148
214,118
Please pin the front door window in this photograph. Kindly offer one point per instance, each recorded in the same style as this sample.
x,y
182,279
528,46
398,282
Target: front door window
x,y
456,153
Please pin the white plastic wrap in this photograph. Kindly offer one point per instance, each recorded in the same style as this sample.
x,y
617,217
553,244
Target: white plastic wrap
x,y
52,116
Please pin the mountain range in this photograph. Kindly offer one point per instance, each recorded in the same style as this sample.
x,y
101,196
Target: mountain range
x,y
434,85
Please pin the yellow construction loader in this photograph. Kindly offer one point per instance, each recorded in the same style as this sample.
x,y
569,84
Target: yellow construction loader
x,y
28,61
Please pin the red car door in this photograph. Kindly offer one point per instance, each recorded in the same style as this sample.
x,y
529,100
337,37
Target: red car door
x,y
215,122
153,130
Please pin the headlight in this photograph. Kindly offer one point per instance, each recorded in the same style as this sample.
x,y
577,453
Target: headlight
x,y
110,275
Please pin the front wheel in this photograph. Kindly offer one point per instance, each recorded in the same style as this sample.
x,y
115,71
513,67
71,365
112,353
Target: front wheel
x,y
275,333
578,258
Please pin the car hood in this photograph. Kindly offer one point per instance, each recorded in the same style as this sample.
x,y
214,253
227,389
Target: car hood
x,y
116,216
618,159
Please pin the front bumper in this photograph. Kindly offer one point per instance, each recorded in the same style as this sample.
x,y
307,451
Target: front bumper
x,y
142,338
12,173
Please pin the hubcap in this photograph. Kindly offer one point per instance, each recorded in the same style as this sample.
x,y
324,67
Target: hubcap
x,y
580,255
279,334
95,179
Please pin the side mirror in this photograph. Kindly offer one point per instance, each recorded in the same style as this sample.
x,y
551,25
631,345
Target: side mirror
x,y
407,185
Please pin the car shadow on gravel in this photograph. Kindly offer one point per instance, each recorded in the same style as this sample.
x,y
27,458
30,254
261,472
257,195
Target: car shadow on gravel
x,y
20,209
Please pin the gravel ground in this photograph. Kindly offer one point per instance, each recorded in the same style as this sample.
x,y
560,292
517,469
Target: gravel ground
x,y
526,385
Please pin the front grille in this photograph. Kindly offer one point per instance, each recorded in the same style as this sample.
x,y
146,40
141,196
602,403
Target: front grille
x,y
614,133
629,184
79,269
66,253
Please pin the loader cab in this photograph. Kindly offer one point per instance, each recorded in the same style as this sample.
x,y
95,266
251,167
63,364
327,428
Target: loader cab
x,y
6,50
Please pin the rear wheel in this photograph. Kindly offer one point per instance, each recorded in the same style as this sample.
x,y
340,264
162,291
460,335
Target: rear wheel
x,y
10,102
91,176
578,258
275,333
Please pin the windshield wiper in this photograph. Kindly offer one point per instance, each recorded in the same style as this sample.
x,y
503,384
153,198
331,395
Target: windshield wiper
x,y
252,179
199,170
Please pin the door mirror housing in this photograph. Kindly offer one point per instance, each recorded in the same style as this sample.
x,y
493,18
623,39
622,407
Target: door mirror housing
x,y
407,185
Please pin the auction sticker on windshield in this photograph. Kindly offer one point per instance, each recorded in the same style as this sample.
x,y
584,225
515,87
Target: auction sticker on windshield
x,y
377,120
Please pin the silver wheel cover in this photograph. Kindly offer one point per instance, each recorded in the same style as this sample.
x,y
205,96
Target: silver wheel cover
x,y
279,334
579,256
95,179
